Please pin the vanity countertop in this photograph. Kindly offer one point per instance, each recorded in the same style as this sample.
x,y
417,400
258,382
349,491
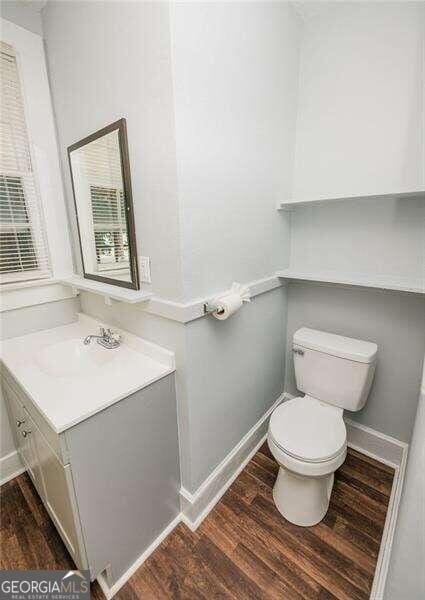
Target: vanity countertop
x,y
68,381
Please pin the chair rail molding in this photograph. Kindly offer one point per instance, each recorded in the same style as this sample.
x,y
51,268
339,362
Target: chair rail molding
x,y
190,311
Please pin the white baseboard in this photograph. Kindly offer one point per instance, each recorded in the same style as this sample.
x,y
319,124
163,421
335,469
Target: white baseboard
x,y
384,555
375,444
393,453
196,506
110,591
10,467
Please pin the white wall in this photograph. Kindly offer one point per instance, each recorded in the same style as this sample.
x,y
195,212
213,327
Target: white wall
x,y
235,68
204,194
395,321
360,126
369,237
109,60
359,131
235,71
23,321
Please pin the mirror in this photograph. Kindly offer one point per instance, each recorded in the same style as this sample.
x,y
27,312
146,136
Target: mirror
x,y
100,173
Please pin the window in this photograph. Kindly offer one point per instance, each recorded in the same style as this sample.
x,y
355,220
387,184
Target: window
x,y
110,228
23,246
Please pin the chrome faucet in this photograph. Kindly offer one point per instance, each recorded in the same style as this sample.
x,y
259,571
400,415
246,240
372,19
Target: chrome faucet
x,y
107,338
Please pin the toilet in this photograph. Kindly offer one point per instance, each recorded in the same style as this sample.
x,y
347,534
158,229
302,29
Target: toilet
x,y
307,435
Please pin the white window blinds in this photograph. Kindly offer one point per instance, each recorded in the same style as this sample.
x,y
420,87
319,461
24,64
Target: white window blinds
x,y
110,228
23,245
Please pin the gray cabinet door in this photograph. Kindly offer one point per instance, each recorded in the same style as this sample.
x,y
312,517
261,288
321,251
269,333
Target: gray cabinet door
x,y
60,500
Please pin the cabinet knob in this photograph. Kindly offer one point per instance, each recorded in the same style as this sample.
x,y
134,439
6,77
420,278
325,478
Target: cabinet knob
x,y
19,423
25,433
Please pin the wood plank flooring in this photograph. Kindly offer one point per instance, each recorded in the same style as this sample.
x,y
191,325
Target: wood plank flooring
x,y
244,549
28,538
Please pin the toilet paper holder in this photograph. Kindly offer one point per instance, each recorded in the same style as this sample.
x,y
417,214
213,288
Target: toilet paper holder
x,y
212,307
219,306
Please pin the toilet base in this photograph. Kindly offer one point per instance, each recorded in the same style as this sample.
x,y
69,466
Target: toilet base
x,y
302,500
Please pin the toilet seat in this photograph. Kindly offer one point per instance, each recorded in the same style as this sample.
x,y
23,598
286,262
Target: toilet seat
x,y
308,430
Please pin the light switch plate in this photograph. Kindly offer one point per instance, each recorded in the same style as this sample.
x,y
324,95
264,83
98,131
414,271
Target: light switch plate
x,y
145,269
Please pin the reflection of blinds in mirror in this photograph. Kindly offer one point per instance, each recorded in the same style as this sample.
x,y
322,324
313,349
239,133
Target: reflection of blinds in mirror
x,y
100,160
23,245
110,228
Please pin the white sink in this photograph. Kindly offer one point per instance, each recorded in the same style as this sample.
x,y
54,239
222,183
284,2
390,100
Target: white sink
x,y
72,357
68,381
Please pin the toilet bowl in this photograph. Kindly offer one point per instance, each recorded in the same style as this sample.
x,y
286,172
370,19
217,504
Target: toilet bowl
x,y
307,435
309,441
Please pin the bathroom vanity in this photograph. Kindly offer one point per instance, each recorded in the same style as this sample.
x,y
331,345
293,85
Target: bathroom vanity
x,y
96,430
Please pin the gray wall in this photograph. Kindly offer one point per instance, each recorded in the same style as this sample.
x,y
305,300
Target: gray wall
x,y
235,69
395,321
382,153
228,374
235,371
25,14
205,188
406,575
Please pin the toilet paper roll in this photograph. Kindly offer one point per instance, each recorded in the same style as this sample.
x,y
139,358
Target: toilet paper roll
x,y
230,303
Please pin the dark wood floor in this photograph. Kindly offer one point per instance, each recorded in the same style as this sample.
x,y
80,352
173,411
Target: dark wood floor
x,y
244,549
28,538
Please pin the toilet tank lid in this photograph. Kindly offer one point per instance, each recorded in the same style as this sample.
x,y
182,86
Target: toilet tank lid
x,y
336,345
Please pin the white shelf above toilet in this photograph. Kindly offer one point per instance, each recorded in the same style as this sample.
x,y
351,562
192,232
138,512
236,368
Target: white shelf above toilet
x,y
383,282
293,204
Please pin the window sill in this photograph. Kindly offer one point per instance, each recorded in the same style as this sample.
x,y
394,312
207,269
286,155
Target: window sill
x,y
30,293
108,291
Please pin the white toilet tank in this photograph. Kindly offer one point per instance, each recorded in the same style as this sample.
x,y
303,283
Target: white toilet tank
x,y
335,369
